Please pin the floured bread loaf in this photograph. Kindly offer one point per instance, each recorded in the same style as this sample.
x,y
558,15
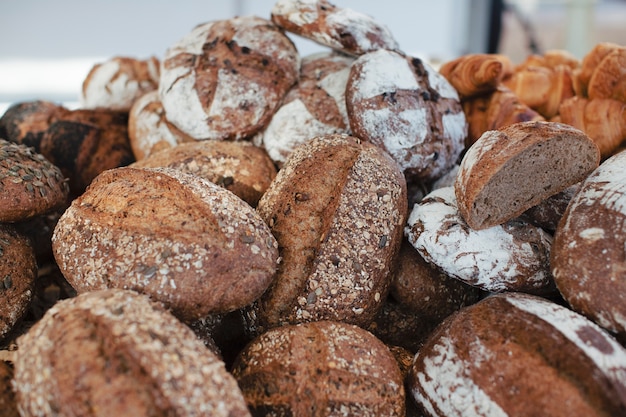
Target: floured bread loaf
x,y
339,28
513,256
337,209
519,355
225,79
588,253
315,106
510,170
115,352
117,82
322,368
149,130
179,238
405,107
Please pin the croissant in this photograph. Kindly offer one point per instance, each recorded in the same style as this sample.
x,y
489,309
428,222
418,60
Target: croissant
x,y
602,119
475,74
589,64
542,88
551,59
609,78
491,111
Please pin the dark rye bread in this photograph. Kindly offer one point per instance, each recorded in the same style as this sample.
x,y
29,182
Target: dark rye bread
x,y
8,404
30,185
240,167
519,355
320,369
507,171
26,122
588,260
18,270
339,28
226,78
115,352
179,238
337,208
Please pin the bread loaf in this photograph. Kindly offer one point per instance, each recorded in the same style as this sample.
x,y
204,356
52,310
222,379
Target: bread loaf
x,y
519,355
405,107
322,368
225,79
181,239
588,252
339,28
115,352
26,122
509,170
337,208
7,395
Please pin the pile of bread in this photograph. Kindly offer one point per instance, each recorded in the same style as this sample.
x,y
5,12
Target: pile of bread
x,y
236,230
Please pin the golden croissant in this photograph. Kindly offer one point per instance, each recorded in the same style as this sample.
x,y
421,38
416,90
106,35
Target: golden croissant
x,y
476,74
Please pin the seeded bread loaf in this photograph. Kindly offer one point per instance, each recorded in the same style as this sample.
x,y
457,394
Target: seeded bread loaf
x,y
337,208
179,238
115,352
519,355
588,252
510,170
320,369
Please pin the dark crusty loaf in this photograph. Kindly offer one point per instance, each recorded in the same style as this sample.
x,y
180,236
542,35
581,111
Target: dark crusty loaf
x,y
240,167
405,107
226,78
339,28
337,208
8,404
30,184
115,352
588,258
26,122
514,256
519,355
18,270
510,170
175,236
320,369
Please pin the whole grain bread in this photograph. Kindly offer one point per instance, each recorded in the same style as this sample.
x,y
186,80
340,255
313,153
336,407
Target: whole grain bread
x,y
183,240
510,170
26,122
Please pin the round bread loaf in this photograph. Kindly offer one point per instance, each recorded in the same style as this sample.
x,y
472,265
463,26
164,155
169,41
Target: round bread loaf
x,y
514,256
225,79
588,252
179,238
549,212
240,167
85,142
26,122
149,130
320,369
114,352
8,405
404,106
519,355
29,184
18,270
117,82
337,208
507,171
315,106
339,28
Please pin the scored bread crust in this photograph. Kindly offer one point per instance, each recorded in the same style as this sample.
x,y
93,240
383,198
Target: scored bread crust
x,y
181,239
507,171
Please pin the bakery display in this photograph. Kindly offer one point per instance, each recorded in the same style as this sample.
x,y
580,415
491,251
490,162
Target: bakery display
x,y
352,232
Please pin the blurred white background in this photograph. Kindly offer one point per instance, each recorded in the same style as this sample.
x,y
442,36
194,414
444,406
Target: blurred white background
x,y
48,47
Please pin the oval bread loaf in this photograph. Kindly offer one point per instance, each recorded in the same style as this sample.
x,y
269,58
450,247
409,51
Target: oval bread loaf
x,y
181,239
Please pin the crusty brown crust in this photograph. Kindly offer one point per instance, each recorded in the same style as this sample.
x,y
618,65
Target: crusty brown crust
x,y
320,368
497,357
114,352
240,167
18,270
337,208
7,395
510,170
179,238
588,261
26,122
30,184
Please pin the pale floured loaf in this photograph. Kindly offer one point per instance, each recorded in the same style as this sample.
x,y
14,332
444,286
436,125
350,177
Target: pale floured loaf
x,y
507,171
